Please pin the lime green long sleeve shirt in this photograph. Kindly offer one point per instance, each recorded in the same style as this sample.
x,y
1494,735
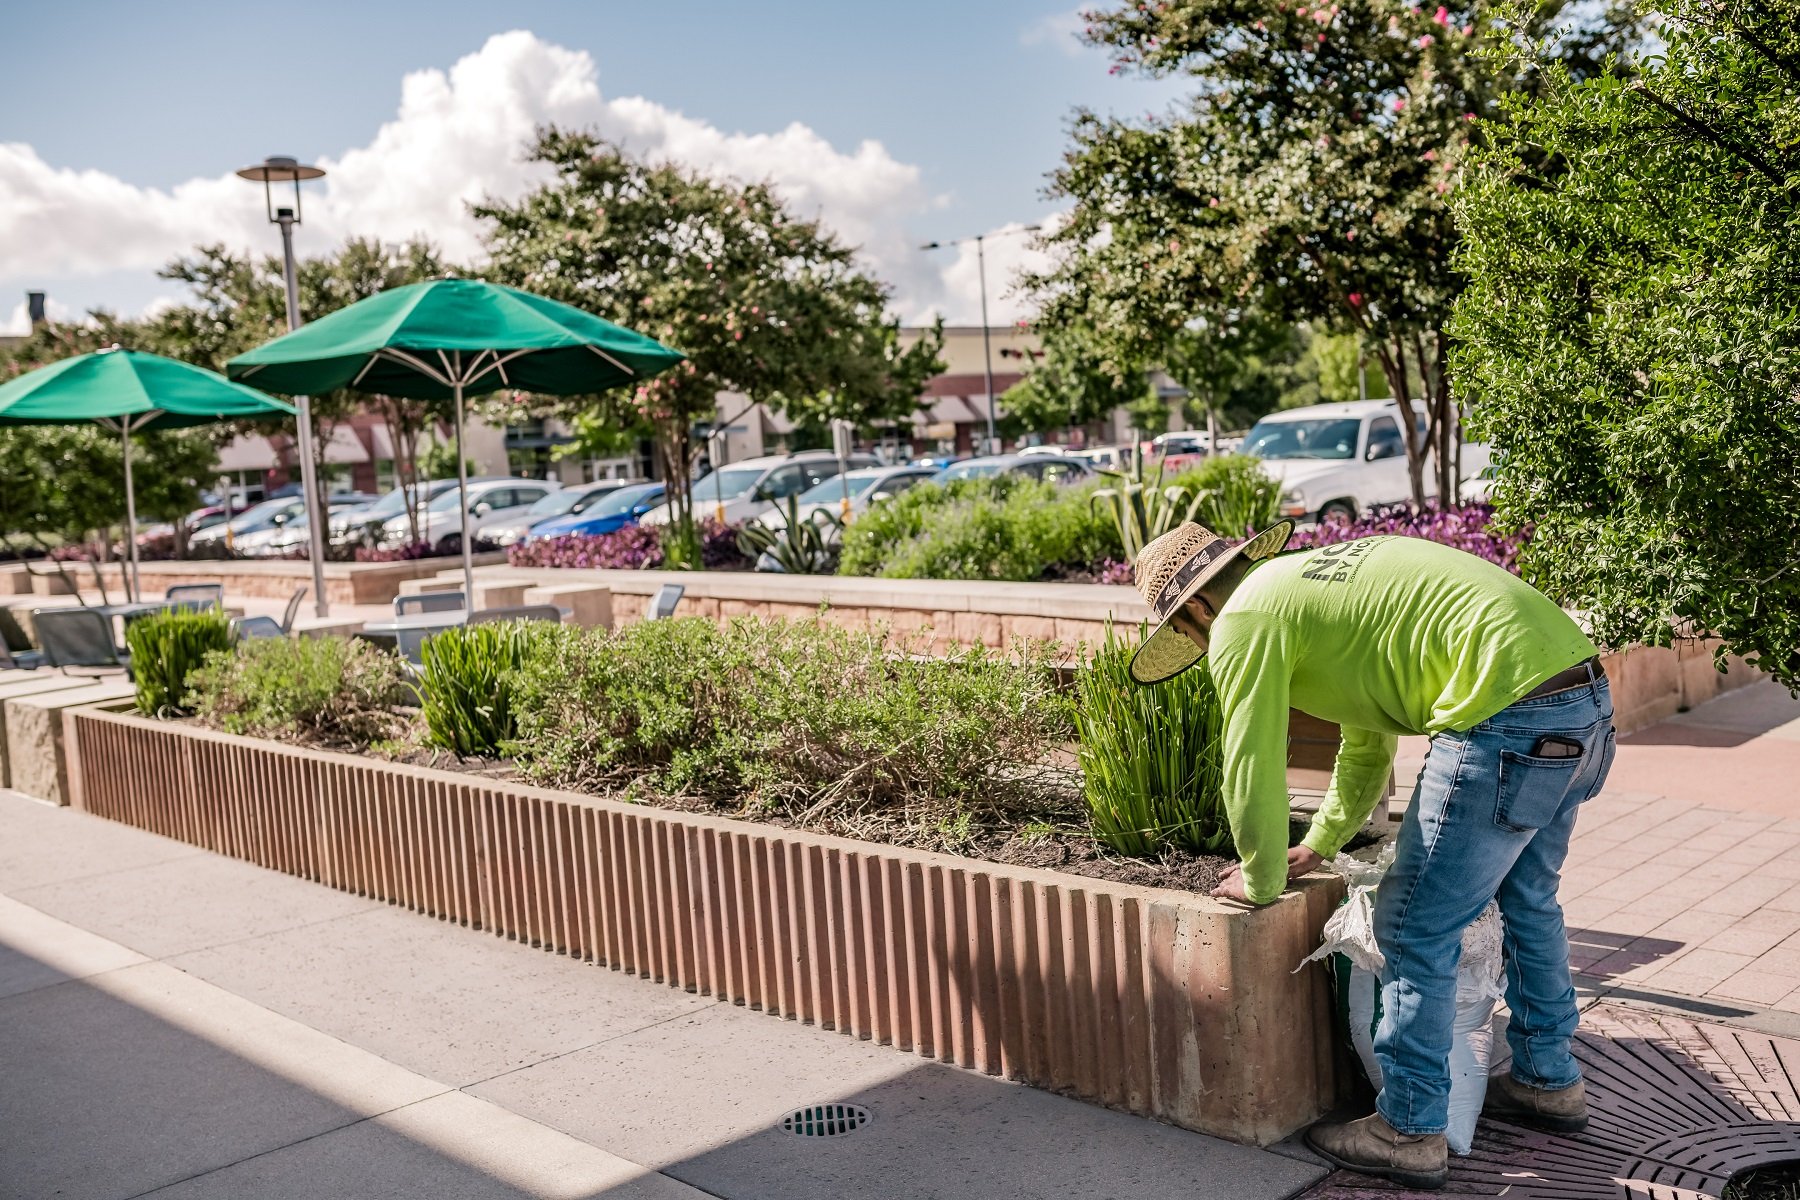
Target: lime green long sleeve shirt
x,y
1384,636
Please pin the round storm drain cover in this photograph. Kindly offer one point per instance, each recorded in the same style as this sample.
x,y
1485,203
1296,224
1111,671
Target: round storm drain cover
x,y
825,1120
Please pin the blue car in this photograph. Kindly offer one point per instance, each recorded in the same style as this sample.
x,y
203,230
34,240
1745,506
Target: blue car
x,y
618,510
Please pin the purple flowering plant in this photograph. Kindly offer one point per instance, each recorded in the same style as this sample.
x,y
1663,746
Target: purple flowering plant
x,y
1466,527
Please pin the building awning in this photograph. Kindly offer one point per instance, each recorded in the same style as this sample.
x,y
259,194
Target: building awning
x,y
953,410
345,448
383,444
247,452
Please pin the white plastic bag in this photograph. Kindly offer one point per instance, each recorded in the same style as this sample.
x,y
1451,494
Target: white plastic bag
x,y
1348,945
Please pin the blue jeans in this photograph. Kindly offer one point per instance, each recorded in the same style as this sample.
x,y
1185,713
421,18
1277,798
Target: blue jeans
x,y
1488,820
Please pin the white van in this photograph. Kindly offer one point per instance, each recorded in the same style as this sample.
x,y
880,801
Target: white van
x,y
1337,460
739,491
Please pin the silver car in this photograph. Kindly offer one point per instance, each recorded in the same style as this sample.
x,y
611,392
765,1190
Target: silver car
x,y
564,503
493,501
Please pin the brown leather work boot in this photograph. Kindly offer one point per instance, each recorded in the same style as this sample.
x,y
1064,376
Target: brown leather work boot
x,y
1561,1111
1372,1147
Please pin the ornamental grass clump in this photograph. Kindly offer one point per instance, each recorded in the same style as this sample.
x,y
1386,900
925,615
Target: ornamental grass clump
x,y
338,690
466,684
811,721
166,649
1150,757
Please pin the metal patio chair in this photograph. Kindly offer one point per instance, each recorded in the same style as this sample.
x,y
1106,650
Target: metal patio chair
x,y
269,627
429,602
517,612
663,604
196,597
19,660
79,638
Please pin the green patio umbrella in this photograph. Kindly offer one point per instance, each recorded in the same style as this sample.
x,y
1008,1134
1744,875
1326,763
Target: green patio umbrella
x,y
128,391
455,338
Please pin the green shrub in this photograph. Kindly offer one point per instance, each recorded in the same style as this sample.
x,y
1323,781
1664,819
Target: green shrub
x,y
1237,497
1006,527
166,648
797,716
466,682
1150,757
338,689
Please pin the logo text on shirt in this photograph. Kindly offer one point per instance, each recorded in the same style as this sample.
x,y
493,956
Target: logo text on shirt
x,y
1338,563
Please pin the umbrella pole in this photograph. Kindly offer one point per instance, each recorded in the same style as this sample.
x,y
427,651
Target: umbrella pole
x,y
462,491
134,590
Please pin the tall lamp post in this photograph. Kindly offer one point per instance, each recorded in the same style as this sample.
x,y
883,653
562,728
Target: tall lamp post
x,y
987,350
270,172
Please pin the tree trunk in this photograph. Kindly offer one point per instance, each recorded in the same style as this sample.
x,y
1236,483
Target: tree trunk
x,y
1392,354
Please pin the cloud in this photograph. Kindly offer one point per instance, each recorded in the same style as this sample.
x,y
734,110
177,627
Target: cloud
x,y
18,324
458,136
1009,250
1062,30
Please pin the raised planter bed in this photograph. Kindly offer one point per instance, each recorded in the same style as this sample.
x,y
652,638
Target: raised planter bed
x,y
1157,1002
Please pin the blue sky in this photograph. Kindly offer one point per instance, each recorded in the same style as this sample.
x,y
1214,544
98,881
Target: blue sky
x,y
114,107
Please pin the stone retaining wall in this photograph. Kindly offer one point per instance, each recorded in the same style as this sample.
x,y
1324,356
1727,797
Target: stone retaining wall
x,y
1157,1002
345,583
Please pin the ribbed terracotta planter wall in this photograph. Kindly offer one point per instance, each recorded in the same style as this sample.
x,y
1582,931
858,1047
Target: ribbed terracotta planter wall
x,y
1157,1002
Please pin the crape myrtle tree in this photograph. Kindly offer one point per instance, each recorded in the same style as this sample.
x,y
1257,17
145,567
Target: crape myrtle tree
x,y
762,302
1630,335
239,301
1306,177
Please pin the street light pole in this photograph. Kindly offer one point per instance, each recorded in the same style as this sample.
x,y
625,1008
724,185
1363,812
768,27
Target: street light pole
x,y
987,340
987,346
287,170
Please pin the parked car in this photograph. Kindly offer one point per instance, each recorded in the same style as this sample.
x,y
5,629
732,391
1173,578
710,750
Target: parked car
x,y
613,512
739,491
267,515
1335,460
1054,468
295,533
1108,458
366,524
207,517
863,487
492,500
577,498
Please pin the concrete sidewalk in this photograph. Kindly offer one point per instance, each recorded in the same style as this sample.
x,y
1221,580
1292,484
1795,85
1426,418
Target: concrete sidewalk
x,y
184,1025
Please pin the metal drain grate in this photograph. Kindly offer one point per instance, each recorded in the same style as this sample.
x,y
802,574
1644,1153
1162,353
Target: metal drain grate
x,y
825,1120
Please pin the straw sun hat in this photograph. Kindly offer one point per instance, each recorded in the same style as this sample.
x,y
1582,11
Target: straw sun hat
x,y
1170,571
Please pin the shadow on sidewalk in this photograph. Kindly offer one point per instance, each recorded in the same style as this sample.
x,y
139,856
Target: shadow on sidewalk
x,y
100,1098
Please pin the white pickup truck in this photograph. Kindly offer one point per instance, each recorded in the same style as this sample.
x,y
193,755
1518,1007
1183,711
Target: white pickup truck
x,y
1339,460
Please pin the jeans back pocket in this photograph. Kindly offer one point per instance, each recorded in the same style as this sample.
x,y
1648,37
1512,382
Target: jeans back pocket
x,y
1532,789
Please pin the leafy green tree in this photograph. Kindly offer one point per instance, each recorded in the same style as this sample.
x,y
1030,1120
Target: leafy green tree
x,y
1307,177
1072,383
1630,336
764,303
1235,368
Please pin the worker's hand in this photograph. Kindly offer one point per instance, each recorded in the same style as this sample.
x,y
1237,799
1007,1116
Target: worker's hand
x,y
1300,860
